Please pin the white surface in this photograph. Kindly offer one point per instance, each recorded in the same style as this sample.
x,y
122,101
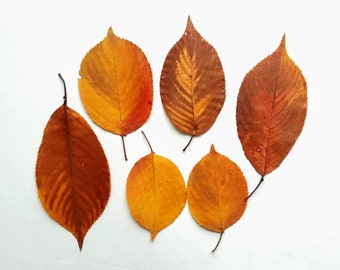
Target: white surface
x,y
292,222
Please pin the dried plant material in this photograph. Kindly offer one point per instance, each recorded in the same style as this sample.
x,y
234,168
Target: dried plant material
x,y
72,173
155,192
271,110
116,85
192,84
217,192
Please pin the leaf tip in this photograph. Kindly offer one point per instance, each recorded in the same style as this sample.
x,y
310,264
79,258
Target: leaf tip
x,y
110,33
283,41
190,27
189,22
282,46
80,243
153,235
212,149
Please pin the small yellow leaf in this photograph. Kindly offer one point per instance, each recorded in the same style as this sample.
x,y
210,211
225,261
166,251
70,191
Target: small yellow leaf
x,y
217,192
155,192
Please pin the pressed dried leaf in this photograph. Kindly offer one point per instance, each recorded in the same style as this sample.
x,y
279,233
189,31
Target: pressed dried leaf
x,y
116,85
72,173
192,83
271,110
217,192
155,192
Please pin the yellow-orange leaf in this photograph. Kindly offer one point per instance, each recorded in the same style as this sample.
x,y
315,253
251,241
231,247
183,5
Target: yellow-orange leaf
x,y
271,110
116,85
217,192
155,192
192,83
72,173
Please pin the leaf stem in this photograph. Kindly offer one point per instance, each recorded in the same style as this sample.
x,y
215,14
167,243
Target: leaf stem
x,y
218,243
125,156
65,92
185,148
148,142
258,185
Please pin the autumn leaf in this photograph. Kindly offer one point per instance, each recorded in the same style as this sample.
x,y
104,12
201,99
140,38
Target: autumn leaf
x,y
72,172
116,85
192,84
271,110
217,192
155,192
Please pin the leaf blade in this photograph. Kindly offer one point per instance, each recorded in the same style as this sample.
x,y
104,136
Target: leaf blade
x,y
155,192
72,173
192,84
217,192
115,85
271,110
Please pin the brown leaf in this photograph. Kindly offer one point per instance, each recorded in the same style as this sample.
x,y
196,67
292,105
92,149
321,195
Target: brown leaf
x,y
72,173
155,192
271,110
116,85
217,192
192,84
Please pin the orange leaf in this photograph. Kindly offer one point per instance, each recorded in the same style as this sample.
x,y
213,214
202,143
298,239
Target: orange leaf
x,y
72,173
116,85
155,192
271,110
192,84
217,192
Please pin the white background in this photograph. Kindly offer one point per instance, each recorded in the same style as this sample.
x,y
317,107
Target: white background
x,y
292,222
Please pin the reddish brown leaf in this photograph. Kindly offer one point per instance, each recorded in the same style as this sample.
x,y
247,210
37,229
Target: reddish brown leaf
x,y
116,85
192,84
72,173
271,110
217,192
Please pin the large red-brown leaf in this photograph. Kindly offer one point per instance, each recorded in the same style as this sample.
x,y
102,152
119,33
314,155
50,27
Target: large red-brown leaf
x,y
192,84
72,173
271,110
